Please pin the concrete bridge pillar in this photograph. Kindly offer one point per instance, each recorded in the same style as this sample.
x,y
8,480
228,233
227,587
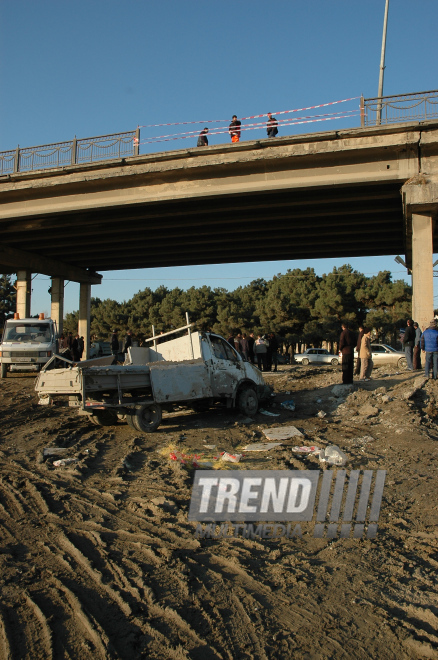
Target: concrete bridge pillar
x,y
420,204
84,317
24,288
57,303
422,269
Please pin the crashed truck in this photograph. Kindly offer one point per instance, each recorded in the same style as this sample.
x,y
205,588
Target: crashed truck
x,y
196,370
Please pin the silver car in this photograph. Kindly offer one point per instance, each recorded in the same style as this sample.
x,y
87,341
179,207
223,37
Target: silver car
x,y
384,354
317,356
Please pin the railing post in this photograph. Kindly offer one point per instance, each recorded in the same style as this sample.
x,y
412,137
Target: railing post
x,y
17,159
362,111
73,151
137,142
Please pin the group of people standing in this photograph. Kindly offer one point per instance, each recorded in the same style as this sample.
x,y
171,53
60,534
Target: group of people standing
x,y
263,350
362,343
235,127
414,342
75,345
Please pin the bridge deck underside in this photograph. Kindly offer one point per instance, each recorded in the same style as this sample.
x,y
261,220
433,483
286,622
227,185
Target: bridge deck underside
x,y
353,221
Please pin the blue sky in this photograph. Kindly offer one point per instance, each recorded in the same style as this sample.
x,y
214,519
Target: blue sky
x,y
93,67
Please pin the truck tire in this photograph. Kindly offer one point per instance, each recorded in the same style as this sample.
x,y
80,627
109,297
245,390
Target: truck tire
x,y
130,420
147,418
4,370
247,402
104,418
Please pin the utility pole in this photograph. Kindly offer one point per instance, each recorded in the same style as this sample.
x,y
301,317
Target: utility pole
x,y
382,65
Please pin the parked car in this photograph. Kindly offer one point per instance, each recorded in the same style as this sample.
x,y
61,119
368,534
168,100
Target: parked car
x,y
100,349
317,356
384,354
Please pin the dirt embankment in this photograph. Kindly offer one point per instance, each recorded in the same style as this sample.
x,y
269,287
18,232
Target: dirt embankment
x,y
98,559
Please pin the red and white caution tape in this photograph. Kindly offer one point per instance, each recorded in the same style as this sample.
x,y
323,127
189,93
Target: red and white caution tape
x,y
281,112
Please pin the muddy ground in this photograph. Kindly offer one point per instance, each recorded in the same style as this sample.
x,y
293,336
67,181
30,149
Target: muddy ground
x,y
99,560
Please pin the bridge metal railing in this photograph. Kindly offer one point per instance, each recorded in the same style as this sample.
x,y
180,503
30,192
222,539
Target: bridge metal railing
x,y
84,150
396,109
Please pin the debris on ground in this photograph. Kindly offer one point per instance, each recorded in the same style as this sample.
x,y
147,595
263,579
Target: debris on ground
x,y
262,446
282,433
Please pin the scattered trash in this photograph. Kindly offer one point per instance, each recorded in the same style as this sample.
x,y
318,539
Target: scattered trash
x,y
322,414
333,456
289,405
269,414
212,447
262,446
307,450
245,420
231,458
65,461
282,433
318,400
54,451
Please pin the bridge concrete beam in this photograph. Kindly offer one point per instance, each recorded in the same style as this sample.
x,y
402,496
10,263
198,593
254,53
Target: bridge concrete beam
x,y
420,205
24,287
11,258
57,302
84,317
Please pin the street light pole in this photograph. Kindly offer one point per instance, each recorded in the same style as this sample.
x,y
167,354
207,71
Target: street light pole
x,y
382,65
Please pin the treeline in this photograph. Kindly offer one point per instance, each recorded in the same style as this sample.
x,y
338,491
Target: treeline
x,y
299,306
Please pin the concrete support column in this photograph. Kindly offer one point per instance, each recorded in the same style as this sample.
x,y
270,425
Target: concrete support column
x,y
57,306
24,288
422,269
84,317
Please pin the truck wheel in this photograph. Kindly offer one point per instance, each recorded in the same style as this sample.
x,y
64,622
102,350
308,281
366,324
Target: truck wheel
x,y
130,420
104,418
4,370
247,402
147,418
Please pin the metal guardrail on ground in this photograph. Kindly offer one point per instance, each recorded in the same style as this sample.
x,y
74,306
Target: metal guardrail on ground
x,y
396,109
75,152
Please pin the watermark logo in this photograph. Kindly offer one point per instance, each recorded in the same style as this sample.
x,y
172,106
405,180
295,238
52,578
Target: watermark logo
x,y
336,503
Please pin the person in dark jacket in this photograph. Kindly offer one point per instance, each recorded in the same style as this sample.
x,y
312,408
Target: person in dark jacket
x,y
359,340
417,348
127,342
114,343
234,129
203,139
408,343
347,343
251,340
271,126
273,345
76,349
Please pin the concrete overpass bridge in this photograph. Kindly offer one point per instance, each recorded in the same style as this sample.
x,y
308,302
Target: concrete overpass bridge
x,y
359,192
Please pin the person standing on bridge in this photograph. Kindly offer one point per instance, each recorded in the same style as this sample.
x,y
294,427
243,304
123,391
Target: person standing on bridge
x,y
234,129
271,126
203,139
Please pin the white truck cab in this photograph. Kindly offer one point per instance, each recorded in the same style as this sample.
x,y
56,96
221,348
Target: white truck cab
x,y
27,344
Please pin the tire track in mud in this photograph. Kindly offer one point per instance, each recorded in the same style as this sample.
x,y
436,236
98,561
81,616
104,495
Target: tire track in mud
x,y
100,562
